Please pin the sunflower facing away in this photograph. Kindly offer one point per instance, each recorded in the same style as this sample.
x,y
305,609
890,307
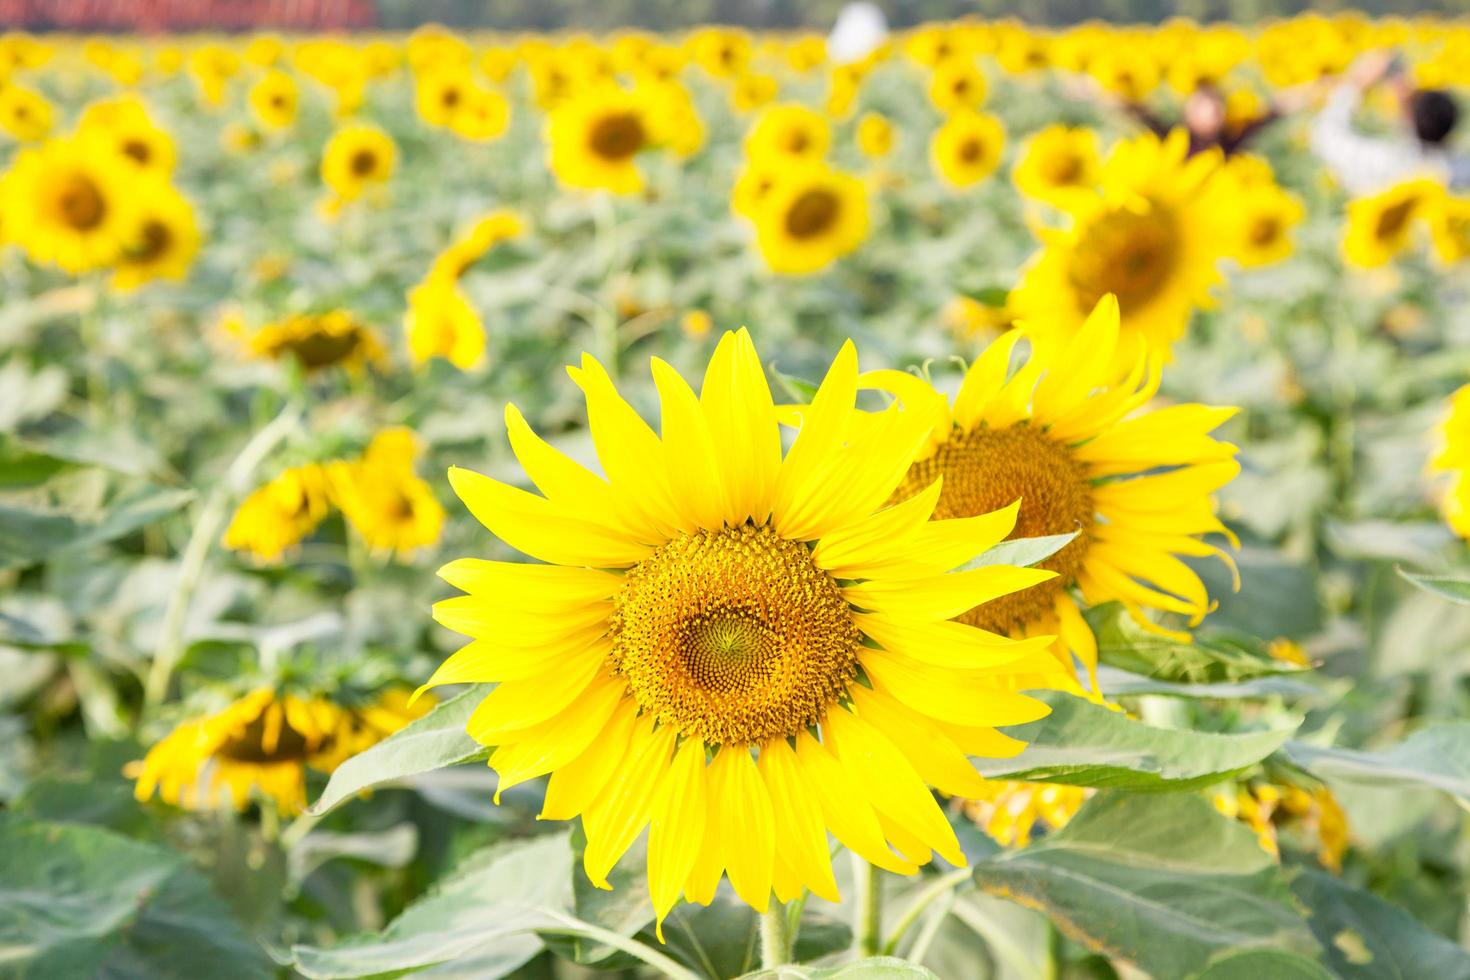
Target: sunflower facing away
x,y
738,649
318,341
1065,434
281,513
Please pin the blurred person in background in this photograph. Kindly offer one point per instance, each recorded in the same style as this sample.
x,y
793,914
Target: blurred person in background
x,y
1365,164
1203,116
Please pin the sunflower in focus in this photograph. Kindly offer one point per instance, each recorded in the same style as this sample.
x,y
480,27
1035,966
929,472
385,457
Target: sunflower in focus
x,y
260,746
25,114
1065,435
788,132
162,243
279,515
595,137
956,84
1011,810
875,135
967,147
382,497
686,658
1452,457
274,100
1382,226
809,217
1149,236
357,158
68,204
440,322
1057,163
318,341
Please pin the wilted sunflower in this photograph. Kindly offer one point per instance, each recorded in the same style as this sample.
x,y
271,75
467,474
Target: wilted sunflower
x,y
383,499
25,114
967,147
785,132
1150,237
318,341
1057,163
440,322
811,215
274,100
688,658
1064,435
163,242
1381,226
595,136
279,515
68,204
875,135
261,745
357,157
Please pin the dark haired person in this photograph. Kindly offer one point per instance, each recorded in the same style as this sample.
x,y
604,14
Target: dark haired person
x,y
1366,164
1203,117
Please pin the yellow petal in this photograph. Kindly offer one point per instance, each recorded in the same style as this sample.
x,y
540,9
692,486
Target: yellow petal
x,y
677,829
693,459
747,827
573,787
742,419
520,704
943,596
801,835
934,757
845,807
624,806
538,750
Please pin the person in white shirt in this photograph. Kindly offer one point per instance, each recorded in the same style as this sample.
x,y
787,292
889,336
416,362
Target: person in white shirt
x,y
1366,164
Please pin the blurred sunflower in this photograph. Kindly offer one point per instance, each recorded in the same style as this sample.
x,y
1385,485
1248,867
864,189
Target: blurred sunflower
x,y
595,136
261,746
280,514
1452,457
1062,439
318,341
875,135
470,247
811,216
788,132
1382,226
1270,808
686,660
484,117
441,94
967,147
357,157
25,114
274,100
440,322
68,204
1449,228
1057,163
1263,218
383,499
1010,811
956,84
163,241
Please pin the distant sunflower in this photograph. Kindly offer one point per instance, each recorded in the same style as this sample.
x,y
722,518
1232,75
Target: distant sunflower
x,y
383,499
595,137
687,660
1057,163
440,322
442,94
357,157
875,135
124,125
25,114
1010,811
811,216
469,248
1452,457
967,147
261,746
163,242
752,186
69,205
1449,228
785,132
1063,436
1382,226
484,117
318,341
957,84
274,100
1263,219
278,516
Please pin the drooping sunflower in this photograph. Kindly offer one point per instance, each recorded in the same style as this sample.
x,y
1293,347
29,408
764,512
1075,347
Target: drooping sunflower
x,y
811,216
280,514
1149,236
382,497
1057,163
967,147
1382,226
470,247
357,157
261,746
67,204
875,135
274,100
787,132
687,658
1452,457
318,341
594,138
440,322
956,84
163,242
1065,434
25,114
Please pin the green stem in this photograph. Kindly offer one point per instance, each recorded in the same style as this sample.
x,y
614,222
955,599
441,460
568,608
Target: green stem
x,y
775,936
931,928
201,539
868,929
573,926
941,886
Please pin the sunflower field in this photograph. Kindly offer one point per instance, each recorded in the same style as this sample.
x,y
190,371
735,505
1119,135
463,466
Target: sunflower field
x,y
701,506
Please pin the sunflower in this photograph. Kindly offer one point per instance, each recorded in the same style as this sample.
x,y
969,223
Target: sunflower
x,y
1453,457
484,117
1263,218
25,114
274,100
752,187
469,248
1057,163
163,242
281,514
441,323
318,341
811,216
357,157
383,499
1149,236
1449,228
1011,810
875,135
967,147
261,746
67,204
1381,226
442,93
1268,808
124,125
753,90
956,84
688,658
1056,435
788,132
595,136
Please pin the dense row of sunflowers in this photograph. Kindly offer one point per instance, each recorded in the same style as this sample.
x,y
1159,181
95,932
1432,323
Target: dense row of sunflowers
x,y
773,617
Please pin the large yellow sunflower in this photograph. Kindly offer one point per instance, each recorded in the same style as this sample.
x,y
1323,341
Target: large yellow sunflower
x,y
736,648
1151,237
1065,434
809,216
67,203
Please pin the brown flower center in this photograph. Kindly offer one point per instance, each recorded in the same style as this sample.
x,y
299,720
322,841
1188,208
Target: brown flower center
x,y
814,212
1126,253
618,136
79,202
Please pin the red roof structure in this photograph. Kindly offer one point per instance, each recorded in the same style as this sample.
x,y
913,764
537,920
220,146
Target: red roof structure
x,y
187,15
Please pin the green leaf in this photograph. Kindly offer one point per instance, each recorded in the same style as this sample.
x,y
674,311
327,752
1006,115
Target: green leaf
x,y
1437,756
723,939
391,848
1451,587
29,535
625,909
1022,552
77,900
1206,659
1264,964
1366,938
1166,884
996,296
800,389
432,742
1122,683
22,466
1085,744
482,918
876,968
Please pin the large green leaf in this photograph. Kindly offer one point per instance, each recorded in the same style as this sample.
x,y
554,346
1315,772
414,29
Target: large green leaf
x,y
1086,744
1164,883
29,535
434,741
1221,657
485,914
1265,964
78,900
1365,938
877,968
1437,756
1122,683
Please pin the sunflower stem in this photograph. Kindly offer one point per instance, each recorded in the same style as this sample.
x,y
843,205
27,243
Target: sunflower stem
x,y
570,925
938,888
868,930
775,936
